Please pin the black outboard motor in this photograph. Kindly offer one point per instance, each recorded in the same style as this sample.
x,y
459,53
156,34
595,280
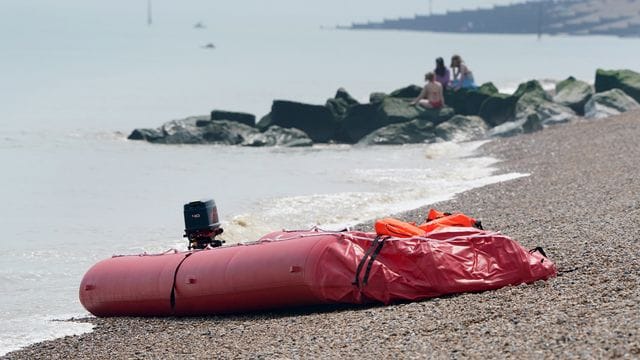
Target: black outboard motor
x,y
201,225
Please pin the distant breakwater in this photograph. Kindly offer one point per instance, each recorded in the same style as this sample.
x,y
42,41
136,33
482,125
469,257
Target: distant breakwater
x,y
549,17
390,119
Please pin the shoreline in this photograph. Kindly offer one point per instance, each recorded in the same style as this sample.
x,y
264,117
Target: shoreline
x,y
579,203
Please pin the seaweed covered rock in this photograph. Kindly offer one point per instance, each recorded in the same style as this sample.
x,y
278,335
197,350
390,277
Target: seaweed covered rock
x,y
573,93
462,128
394,110
608,103
533,88
469,101
243,118
547,111
278,136
533,110
625,80
412,132
499,108
317,121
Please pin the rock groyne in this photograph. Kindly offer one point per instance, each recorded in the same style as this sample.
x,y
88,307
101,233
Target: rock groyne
x,y
390,119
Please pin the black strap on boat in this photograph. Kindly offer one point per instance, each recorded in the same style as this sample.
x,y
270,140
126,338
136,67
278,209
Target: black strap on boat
x,y
372,258
367,253
371,254
172,299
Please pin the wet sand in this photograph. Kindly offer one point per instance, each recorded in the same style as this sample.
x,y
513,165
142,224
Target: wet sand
x,y
581,203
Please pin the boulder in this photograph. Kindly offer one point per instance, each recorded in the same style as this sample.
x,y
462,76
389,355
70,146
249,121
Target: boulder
x,y
359,121
277,136
469,101
339,104
547,111
500,108
317,121
196,130
337,108
362,119
608,103
408,92
395,110
462,128
436,116
243,118
377,97
204,122
625,80
150,135
342,94
223,132
573,93
184,131
412,132
533,88
527,125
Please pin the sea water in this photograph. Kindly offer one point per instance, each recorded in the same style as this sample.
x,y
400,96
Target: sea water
x,y
79,76
71,201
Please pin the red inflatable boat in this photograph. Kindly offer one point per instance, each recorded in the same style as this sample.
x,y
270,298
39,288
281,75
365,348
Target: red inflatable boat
x,y
297,268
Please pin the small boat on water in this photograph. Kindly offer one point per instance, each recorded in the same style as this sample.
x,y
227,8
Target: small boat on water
x,y
297,268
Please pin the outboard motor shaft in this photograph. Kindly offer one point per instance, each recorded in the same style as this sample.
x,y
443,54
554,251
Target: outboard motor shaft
x,y
201,224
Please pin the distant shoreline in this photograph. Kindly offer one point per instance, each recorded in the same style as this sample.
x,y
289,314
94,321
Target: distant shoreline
x,y
548,17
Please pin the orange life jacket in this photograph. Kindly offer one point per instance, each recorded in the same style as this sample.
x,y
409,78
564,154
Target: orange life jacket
x,y
397,228
437,220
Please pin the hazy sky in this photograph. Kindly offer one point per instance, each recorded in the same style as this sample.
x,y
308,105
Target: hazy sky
x,y
36,13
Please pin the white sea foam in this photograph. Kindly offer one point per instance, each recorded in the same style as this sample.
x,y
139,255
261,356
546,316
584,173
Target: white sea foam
x,y
20,332
439,171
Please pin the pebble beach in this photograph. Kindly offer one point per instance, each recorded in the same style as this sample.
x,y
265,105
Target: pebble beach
x,y
581,203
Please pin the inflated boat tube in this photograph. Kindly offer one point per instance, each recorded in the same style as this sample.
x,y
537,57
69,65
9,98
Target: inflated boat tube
x,y
286,269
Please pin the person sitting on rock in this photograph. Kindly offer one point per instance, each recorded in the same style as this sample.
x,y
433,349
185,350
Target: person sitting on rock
x,y
431,96
462,76
443,76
